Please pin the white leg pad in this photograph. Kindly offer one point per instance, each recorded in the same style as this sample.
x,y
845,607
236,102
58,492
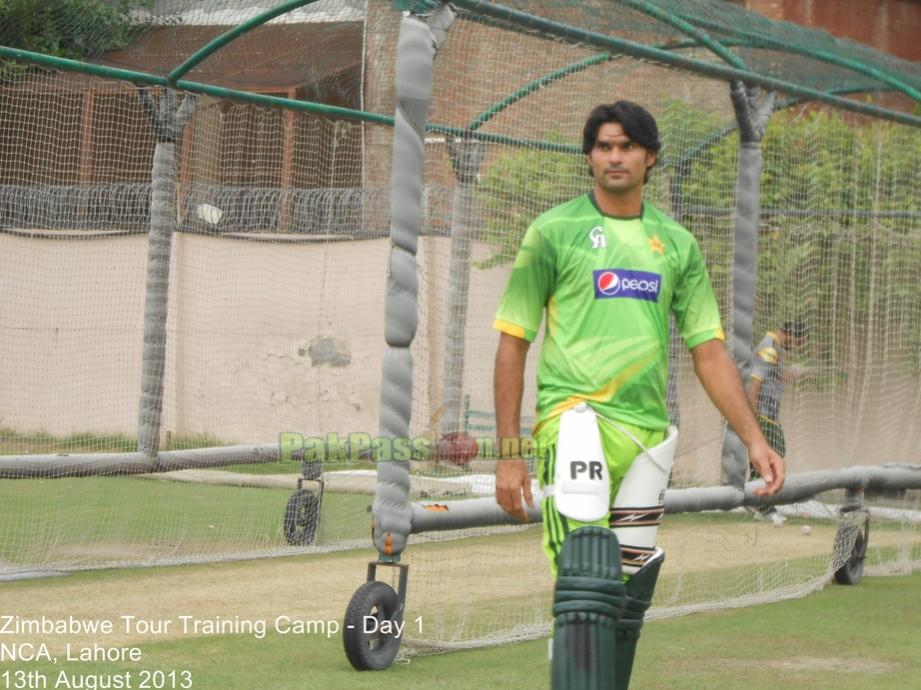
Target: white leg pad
x,y
581,481
640,502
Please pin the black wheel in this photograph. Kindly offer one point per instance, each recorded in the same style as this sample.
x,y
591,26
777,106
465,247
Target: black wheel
x,y
851,572
302,515
370,638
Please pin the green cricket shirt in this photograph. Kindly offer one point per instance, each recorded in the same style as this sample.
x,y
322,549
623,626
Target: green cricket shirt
x,y
608,285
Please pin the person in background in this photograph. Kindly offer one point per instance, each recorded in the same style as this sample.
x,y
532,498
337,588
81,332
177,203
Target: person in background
x,y
766,389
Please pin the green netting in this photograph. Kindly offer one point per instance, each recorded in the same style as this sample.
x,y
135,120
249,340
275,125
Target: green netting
x,y
166,39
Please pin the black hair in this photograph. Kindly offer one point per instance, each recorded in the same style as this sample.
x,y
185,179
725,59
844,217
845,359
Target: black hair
x,y
796,329
636,121
638,124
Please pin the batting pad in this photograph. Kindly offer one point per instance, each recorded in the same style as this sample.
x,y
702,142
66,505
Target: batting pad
x,y
581,481
587,603
640,502
640,588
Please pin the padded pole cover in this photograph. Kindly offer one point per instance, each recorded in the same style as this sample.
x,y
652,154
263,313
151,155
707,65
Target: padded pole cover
x,y
752,115
416,49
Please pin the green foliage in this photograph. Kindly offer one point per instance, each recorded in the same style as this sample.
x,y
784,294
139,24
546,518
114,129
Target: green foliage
x,y
837,252
519,185
821,164
687,132
77,29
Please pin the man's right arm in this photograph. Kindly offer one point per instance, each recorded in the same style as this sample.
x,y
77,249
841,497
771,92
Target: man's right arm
x,y
512,476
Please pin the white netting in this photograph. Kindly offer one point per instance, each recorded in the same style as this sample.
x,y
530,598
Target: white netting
x,y
279,234
276,321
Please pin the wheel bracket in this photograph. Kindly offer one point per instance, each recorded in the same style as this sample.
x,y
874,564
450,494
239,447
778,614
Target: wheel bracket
x,y
402,584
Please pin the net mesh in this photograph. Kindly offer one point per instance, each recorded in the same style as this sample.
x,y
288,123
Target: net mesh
x,y
279,256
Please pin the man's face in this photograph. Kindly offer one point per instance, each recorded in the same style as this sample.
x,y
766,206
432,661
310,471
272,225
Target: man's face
x,y
618,164
794,343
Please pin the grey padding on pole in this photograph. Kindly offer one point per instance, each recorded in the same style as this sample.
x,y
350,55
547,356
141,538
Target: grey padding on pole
x,y
417,46
167,122
752,116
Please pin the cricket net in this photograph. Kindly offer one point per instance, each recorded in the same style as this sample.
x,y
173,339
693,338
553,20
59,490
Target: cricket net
x,y
274,202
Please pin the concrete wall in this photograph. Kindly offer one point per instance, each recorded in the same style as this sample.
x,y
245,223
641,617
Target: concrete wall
x,y
264,337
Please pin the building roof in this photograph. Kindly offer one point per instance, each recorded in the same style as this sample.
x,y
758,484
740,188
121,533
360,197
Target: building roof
x,y
270,58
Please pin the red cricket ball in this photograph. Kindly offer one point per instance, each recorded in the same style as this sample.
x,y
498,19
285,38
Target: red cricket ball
x,y
457,448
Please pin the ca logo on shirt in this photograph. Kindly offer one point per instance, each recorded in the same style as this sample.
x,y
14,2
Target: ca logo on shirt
x,y
596,235
622,282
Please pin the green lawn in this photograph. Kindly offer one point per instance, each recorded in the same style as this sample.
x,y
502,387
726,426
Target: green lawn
x,y
843,638
116,512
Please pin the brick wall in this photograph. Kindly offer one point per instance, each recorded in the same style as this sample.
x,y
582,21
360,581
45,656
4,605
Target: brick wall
x,y
892,26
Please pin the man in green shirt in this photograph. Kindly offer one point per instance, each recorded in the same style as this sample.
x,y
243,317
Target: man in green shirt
x,y
608,270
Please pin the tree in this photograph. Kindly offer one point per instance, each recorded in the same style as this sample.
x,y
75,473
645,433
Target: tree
x,y
77,29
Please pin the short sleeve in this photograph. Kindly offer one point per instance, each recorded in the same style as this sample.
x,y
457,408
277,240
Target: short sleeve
x,y
694,303
529,287
765,358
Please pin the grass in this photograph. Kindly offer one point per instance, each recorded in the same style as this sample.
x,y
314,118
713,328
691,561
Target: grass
x,y
840,638
843,638
132,512
14,442
135,512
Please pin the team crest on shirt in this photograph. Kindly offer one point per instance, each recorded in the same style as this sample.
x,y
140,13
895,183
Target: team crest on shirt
x,y
622,282
596,235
